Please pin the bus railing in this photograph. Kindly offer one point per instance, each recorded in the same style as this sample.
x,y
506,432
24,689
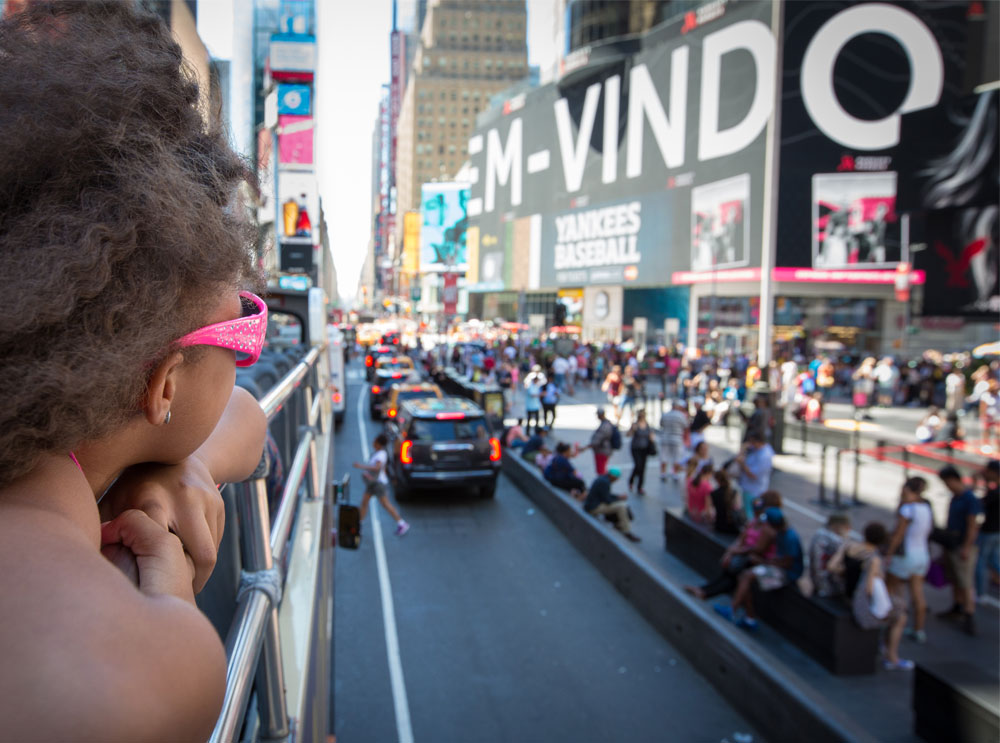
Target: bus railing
x,y
253,642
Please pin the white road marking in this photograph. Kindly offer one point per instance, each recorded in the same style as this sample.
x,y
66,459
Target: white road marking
x,y
402,706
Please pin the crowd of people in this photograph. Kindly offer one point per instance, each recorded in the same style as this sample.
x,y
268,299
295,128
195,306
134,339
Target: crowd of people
x,y
955,392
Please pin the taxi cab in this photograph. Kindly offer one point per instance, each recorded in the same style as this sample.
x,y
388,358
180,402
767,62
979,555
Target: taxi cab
x,y
435,443
400,392
389,371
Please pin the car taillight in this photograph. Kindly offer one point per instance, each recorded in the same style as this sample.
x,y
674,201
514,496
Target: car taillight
x,y
369,360
494,450
392,412
450,416
405,456
337,397
397,375
376,389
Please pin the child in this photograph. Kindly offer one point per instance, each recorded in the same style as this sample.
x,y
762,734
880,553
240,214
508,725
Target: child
x,y
377,483
125,269
699,488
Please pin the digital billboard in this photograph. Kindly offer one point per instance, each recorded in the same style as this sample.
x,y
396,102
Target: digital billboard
x,y
443,225
632,168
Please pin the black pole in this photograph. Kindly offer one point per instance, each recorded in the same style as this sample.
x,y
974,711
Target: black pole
x,y
822,475
836,480
804,435
906,462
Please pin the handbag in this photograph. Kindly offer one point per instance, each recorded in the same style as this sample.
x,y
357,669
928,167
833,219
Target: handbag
x,y
948,539
937,576
651,449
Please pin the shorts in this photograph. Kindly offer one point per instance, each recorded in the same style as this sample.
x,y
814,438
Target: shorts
x,y
671,453
910,565
961,572
377,489
770,577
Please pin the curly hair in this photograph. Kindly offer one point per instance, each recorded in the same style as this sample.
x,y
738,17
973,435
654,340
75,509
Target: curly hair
x,y
120,220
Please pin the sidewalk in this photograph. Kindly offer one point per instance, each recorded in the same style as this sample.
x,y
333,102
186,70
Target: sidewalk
x,y
881,703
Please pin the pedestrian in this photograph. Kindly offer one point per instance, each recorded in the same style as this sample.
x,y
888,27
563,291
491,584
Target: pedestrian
x,y
698,504
754,464
861,565
630,393
571,372
601,501
613,387
377,483
673,426
989,533
642,447
602,442
784,568
533,385
759,421
959,541
726,504
909,550
561,473
825,543
560,367
549,399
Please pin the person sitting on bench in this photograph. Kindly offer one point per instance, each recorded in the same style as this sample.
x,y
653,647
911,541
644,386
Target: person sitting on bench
x,y
769,573
601,501
561,474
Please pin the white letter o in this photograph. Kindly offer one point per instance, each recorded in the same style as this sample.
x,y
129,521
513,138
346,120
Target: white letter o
x,y
926,78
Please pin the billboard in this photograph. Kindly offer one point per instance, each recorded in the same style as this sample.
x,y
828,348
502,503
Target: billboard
x,y
294,100
411,242
295,140
852,73
634,166
961,261
443,225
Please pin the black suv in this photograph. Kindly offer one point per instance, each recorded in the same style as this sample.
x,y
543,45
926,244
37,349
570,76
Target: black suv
x,y
442,443
373,355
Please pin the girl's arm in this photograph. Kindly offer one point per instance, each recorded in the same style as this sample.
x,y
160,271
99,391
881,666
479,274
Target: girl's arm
x,y
897,535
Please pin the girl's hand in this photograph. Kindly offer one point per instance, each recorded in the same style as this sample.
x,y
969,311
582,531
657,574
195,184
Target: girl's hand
x,y
160,565
181,498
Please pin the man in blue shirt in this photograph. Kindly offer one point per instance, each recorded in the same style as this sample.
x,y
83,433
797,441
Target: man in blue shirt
x,y
960,548
770,573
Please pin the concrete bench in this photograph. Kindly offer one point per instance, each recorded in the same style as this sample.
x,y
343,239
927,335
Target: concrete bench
x,y
957,702
823,628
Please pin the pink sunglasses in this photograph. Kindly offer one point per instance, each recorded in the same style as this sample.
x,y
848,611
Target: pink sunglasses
x,y
245,335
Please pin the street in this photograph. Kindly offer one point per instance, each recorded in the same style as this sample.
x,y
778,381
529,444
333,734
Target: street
x,y
504,631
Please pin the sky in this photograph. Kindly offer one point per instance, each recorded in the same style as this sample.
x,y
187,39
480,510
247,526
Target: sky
x,y
353,39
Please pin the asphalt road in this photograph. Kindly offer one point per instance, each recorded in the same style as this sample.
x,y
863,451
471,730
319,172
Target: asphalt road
x,y
496,630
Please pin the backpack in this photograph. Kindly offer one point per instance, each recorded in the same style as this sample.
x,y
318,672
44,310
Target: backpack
x,y
616,438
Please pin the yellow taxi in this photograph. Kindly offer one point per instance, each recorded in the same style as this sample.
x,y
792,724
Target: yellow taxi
x,y
400,392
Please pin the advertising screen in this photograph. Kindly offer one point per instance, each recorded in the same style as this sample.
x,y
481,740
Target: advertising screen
x,y
633,166
444,222
852,72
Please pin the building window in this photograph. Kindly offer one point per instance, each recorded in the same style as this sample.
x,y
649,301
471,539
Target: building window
x,y
440,149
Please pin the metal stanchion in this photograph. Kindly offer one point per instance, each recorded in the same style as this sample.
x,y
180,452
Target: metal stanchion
x,y
822,475
836,480
906,462
803,435
857,461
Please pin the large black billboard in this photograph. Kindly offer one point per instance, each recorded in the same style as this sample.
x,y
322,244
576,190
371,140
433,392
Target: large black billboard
x,y
645,161
851,73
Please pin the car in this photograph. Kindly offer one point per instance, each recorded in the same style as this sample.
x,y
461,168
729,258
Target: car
x,y
373,355
400,392
389,370
439,443
391,338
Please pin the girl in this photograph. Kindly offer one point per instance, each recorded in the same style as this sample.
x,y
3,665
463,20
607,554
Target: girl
x,y
377,483
699,488
123,253
914,523
612,386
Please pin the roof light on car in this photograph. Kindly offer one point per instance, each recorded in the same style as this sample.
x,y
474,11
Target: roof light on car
x,y
450,416
405,455
494,450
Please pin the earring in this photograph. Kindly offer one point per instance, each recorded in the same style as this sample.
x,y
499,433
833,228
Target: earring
x,y
166,418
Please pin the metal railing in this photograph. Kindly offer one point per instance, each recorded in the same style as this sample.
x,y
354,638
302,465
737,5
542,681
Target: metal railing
x,y
253,643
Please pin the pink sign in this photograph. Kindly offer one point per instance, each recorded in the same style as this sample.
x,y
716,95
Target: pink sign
x,y
796,276
295,140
